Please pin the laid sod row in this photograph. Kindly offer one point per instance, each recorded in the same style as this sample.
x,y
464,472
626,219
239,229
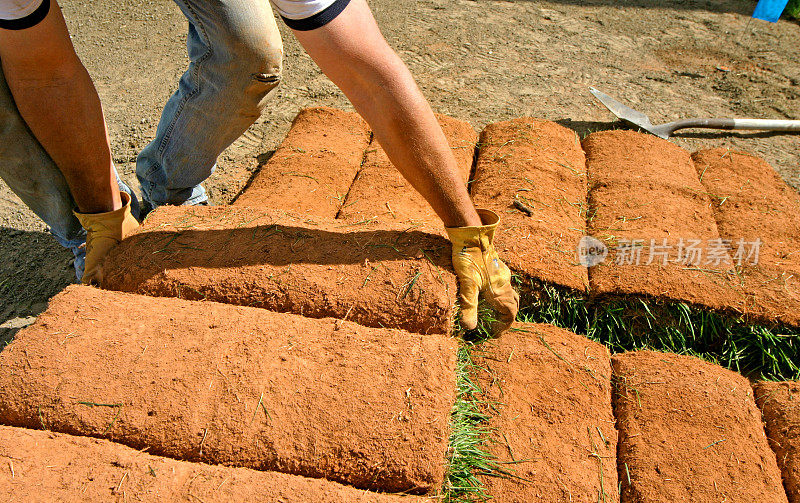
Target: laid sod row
x,y
689,431
533,174
381,194
648,206
757,213
384,275
41,466
551,427
202,381
313,168
780,405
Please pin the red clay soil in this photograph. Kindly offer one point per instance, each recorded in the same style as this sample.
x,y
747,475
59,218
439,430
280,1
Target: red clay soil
x,y
202,381
312,170
553,428
376,275
44,466
690,431
381,193
751,202
540,165
780,405
644,188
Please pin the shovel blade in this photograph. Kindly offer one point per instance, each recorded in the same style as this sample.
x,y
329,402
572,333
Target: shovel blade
x,y
623,112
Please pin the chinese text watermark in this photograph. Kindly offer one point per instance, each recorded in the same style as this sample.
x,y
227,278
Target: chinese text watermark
x,y
688,252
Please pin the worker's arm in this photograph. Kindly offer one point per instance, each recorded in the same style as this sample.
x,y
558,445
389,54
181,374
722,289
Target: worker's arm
x,y
354,55
56,97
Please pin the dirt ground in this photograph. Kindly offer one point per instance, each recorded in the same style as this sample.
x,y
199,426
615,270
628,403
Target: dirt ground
x,y
481,61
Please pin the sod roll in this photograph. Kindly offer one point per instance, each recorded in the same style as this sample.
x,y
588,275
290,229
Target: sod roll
x,y
690,431
202,381
648,206
533,174
377,275
552,426
382,194
780,406
312,170
45,466
757,214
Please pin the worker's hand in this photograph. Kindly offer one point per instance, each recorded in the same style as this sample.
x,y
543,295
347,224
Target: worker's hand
x,y
103,232
480,270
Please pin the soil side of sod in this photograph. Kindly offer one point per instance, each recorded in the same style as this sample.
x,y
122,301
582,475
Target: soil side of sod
x,y
752,204
381,194
780,405
644,188
377,275
689,431
313,168
58,467
552,426
202,381
533,174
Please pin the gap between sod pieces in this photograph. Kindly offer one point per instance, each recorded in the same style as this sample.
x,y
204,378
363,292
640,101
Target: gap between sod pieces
x,y
468,456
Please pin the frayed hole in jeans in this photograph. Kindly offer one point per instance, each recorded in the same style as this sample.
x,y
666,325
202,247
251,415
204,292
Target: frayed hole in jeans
x,y
266,78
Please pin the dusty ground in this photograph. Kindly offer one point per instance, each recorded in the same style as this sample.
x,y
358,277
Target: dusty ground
x,y
481,61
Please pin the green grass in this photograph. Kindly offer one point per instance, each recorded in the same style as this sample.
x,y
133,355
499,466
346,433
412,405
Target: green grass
x,y
626,324
793,9
469,457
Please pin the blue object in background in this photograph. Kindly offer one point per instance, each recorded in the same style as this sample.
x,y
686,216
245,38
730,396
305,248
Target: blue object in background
x,y
770,10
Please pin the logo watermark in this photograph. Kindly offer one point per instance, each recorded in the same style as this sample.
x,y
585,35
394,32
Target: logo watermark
x,y
591,251
690,252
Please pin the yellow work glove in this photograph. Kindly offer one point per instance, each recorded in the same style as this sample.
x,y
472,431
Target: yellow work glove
x,y
103,232
480,270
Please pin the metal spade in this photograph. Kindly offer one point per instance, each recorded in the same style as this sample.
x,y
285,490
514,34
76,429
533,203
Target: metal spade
x,y
665,130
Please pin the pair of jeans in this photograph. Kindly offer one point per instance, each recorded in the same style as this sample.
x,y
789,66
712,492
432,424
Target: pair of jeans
x,y
32,175
235,53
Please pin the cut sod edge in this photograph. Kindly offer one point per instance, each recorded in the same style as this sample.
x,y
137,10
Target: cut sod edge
x,y
626,323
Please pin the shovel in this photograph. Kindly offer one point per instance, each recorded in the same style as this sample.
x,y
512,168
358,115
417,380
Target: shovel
x,y
665,130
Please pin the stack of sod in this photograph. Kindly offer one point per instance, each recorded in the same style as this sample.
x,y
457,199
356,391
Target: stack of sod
x,y
383,275
648,205
57,467
314,166
202,381
690,431
757,214
533,174
551,425
381,194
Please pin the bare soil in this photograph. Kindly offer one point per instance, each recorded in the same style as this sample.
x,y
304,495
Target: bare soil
x,y
312,170
541,165
377,275
381,194
552,425
43,464
482,61
690,431
644,188
202,381
780,404
751,202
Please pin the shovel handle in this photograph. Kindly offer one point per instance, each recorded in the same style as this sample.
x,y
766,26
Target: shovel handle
x,y
752,124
